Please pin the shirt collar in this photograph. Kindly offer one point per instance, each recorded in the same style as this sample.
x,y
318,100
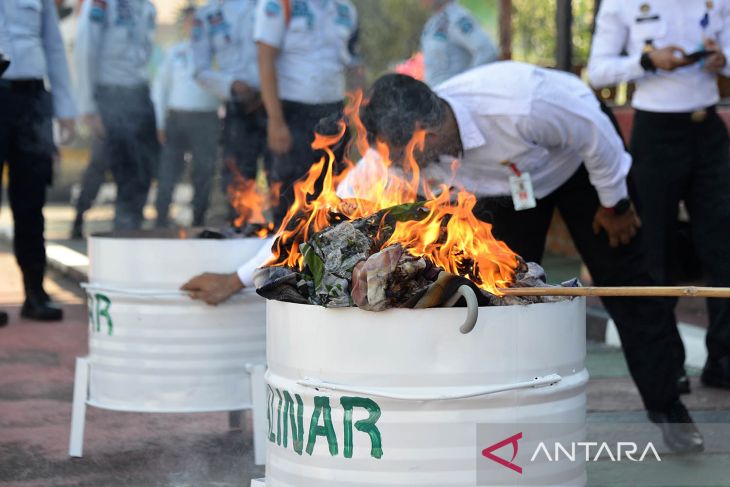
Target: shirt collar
x,y
471,136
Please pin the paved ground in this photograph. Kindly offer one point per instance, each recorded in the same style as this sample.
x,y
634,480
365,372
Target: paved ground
x,y
176,450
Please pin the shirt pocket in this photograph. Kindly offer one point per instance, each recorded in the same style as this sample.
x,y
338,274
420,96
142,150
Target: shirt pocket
x,y
648,28
30,13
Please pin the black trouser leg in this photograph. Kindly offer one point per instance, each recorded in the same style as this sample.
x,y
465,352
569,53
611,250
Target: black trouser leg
x,y
93,178
203,135
646,325
26,145
172,162
708,202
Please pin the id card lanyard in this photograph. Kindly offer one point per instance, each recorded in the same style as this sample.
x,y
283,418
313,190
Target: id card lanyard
x,y
520,183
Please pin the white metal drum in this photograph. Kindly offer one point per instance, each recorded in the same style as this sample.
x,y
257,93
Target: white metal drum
x,y
393,398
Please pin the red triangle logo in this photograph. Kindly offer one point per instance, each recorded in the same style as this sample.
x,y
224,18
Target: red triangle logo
x,y
512,440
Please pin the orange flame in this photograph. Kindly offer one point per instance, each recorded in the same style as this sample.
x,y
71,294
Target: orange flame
x,y
450,235
251,202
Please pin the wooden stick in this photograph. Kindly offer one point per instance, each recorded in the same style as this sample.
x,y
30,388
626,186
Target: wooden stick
x,y
628,291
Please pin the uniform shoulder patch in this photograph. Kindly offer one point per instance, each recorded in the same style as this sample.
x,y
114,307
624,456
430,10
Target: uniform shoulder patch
x,y
197,32
98,10
466,25
343,15
272,8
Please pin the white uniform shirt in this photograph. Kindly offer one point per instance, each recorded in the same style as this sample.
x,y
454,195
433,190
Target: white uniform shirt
x,y
114,45
4,36
176,89
452,42
629,24
315,46
223,47
37,51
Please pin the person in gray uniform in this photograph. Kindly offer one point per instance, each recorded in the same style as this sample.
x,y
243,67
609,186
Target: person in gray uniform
x,y
224,57
113,49
453,42
32,41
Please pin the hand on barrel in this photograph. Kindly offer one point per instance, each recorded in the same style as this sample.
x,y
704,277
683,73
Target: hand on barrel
x,y
213,288
620,228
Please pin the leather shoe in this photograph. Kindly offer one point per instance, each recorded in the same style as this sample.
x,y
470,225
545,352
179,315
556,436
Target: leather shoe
x,y
678,430
717,373
683,384
3,318
40,308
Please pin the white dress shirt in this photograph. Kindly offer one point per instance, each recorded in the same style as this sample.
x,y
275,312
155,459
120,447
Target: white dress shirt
x,y
315,46
114,46
37,51
223,47
629,24
453,42
176,89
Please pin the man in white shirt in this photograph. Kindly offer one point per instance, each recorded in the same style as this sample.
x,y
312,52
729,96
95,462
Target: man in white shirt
x,y
187,122
679,143
453,42
32,41
508,119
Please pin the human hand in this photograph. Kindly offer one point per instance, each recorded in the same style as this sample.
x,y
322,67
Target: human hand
x,y
279,137
669,58
619,228
162,136
715,62
93,121
213,288
67,128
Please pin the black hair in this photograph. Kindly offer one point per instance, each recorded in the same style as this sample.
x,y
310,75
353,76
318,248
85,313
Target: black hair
x,y
399,104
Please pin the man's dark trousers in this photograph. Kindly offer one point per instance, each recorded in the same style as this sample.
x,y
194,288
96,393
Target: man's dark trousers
x,y
645,325
678,159
195,133
132,147
26,147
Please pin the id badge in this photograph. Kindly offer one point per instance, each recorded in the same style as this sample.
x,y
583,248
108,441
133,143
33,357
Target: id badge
x,y
523,195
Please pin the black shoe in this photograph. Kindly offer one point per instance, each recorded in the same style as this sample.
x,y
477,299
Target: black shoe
x,y
678,430
683,384
40,308
77,231
3,318
717,373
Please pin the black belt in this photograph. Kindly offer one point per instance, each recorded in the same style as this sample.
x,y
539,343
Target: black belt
x,y
22,85
696,116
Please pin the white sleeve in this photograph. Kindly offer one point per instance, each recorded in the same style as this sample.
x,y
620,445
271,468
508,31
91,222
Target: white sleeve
x,y
209,78
58,73
245,272
270,25
4,35
573,119
724,37
92,21
606,65
161,89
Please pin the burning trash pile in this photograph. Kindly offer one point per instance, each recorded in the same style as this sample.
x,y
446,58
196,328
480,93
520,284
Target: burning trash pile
x,y
397,243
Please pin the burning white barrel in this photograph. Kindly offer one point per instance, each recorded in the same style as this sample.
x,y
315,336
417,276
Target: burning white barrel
x,y
394,398
152,348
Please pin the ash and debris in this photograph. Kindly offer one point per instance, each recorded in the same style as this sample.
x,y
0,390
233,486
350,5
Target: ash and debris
x,y
345,265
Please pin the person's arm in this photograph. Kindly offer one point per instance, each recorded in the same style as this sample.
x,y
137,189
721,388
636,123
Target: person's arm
x,y
4,36
91,26
218,83
64,108
468,34
717,63
269,31
161,88
570,118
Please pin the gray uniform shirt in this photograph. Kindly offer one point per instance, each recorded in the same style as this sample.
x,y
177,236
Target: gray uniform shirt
x,y
223,47
33,42
453,42
113,47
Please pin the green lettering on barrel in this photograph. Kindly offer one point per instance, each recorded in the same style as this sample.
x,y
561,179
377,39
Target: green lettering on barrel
x,y
270,413
297,424
364,425
104,312
322,404
92,318
278,419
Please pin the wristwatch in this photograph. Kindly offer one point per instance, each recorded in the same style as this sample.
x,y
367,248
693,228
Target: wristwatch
x,y
621,207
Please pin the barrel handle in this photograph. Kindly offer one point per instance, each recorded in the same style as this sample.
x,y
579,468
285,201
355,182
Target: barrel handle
x,y
547,380
472,307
